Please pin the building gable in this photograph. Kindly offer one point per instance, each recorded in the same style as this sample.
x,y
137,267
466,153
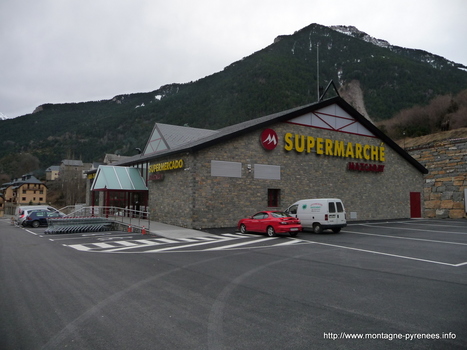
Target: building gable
x,y
332,118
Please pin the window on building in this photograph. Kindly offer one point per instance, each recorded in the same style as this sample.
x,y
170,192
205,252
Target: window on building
x,y
273,197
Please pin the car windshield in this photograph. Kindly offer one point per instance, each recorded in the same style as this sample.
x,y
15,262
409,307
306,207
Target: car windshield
x,y
279,214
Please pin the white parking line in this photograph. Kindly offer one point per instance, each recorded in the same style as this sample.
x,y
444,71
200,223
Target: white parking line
x,y
417,229
433,223
391,255
406,238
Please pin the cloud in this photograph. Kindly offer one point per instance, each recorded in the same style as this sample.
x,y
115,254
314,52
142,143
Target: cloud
x,y
71,51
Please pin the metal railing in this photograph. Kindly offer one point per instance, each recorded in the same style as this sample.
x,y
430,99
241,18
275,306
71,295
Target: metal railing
x,y
127,217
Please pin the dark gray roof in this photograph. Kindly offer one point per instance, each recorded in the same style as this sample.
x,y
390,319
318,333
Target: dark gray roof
x,y
25,179
176,136
165,137
72,162
232,131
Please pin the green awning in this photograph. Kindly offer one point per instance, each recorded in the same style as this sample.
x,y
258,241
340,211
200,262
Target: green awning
x,y
117,178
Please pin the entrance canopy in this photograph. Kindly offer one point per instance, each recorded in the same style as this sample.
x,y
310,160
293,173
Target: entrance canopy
x,y
117,178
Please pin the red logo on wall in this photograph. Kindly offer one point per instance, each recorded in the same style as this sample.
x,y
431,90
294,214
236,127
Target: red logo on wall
x,y
269,139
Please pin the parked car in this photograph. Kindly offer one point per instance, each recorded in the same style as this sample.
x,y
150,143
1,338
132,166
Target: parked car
x,y
38,218
23,211
271,223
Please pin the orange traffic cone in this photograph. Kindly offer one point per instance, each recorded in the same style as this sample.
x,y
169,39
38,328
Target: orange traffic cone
x,y
143,231
130,229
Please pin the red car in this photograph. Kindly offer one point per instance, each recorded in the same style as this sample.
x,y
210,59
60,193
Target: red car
x,y
270,222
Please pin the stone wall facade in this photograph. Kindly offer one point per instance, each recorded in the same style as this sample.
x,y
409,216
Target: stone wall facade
x,y
192,197
446,181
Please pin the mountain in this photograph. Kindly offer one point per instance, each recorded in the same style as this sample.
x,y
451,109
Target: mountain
x,y
379,79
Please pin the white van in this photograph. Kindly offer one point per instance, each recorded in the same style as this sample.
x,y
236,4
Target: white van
x,y
319,214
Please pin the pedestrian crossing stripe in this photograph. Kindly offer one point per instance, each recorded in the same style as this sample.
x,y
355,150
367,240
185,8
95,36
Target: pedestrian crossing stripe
x,y
180,243
138,243
240,244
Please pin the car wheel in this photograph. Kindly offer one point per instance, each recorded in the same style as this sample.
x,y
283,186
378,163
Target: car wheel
x,y
336,230
243,229
270,231
24,224
293,234
317,228
35,224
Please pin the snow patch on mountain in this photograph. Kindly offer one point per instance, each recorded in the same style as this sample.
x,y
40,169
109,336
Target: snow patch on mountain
x,y
423,56
356,33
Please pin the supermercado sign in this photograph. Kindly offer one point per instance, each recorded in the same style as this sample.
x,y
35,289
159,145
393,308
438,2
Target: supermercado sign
x,y
335,148
171,165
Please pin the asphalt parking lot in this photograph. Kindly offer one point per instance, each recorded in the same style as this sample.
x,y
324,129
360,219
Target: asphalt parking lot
x,y
435,242
395,284
438,242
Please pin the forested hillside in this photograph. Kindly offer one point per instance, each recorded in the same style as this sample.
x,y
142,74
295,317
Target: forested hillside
x,y
281,76
443,113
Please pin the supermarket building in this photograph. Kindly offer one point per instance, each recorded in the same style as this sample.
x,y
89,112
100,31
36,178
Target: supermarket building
x,y
200,178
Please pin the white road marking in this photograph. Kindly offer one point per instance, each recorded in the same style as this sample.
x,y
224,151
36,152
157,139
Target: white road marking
x,y
188,245
103,245
241,244
406,238
391,255
126,243
290,242
79,247
417,229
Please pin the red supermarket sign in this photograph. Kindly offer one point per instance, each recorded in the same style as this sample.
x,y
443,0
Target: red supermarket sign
x,y
269,139
374,168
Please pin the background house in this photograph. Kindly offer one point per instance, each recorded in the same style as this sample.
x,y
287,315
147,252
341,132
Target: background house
x,y
52,172
26,190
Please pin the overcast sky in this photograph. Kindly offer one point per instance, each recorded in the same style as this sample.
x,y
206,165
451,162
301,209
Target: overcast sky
x,y
58,51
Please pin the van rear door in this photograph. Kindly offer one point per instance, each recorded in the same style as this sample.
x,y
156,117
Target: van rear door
x,y
341,219
332,213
